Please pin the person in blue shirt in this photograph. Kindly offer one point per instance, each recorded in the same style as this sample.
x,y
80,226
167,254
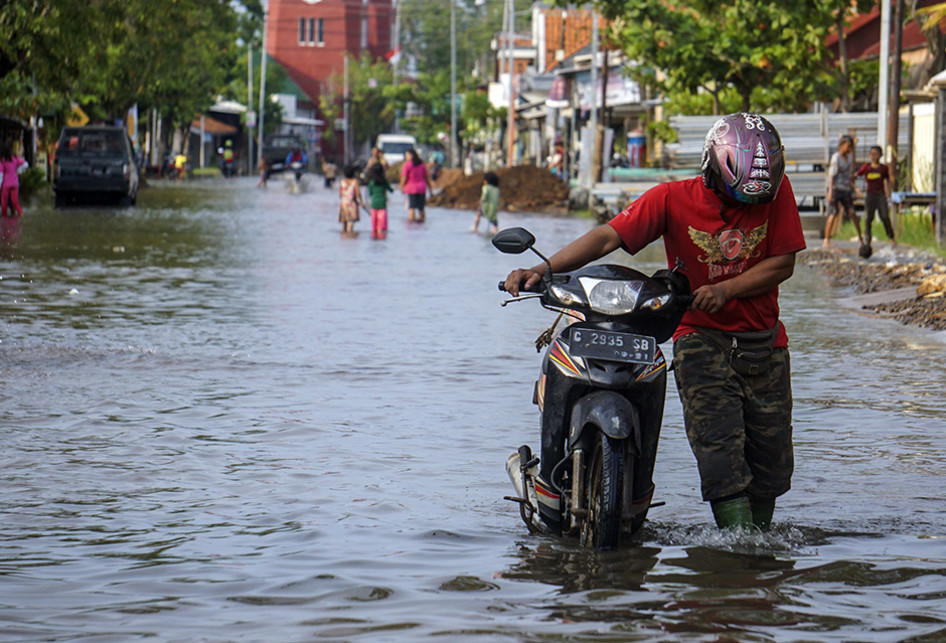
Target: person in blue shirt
x,y
297,156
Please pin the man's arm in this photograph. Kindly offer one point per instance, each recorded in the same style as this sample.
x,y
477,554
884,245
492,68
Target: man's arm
x,y
760,278
594,244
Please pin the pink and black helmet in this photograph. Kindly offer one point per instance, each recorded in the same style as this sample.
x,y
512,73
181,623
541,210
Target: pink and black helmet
x,y
743,158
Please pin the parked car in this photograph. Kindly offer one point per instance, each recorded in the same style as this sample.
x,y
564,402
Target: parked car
x,y
95,161
277,147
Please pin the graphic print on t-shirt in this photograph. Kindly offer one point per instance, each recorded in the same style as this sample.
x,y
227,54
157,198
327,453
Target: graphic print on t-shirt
x,y
728,252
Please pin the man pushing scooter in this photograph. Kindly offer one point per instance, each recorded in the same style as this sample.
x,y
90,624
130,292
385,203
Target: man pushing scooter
x,y
736,229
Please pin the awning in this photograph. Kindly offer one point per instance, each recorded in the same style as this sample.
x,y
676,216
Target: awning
x,y
228,107
302,120
212,126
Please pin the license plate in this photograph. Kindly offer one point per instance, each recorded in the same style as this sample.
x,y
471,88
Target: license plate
x,y
612,346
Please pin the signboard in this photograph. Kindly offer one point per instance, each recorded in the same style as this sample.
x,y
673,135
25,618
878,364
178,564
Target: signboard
x,y
76,117
621,90
132,121
251,118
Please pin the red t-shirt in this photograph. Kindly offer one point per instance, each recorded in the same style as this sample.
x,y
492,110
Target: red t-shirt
x,y
874,177
686,214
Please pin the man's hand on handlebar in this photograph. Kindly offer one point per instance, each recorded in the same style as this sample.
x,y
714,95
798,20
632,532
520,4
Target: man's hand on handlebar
x,y
710,298
523,279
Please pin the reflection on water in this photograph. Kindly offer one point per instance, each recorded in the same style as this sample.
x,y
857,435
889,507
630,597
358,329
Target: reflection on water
x,y
222,420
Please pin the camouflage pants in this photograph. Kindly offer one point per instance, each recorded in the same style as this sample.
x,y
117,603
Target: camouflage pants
x,y
739,426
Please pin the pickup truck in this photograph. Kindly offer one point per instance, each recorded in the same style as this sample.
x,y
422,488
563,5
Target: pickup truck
x,y
95,161
277,147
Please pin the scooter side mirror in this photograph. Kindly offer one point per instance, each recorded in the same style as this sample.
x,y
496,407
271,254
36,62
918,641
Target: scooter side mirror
x,y
513,241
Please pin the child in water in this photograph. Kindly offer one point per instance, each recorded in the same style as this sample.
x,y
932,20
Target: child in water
x,y
489,203
350,193
10,190
378,188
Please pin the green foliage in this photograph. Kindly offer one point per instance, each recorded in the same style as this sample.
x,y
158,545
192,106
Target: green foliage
x,y
915,229
770,53
482,120
32,180
425,33
108,55
374,98
661,131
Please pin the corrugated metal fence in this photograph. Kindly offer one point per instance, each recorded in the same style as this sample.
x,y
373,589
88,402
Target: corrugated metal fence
x,y
809,141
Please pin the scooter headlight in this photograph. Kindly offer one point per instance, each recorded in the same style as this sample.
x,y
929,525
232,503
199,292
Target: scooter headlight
x,y
611,297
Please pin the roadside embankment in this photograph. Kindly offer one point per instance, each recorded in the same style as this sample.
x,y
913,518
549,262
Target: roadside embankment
x,y
900,283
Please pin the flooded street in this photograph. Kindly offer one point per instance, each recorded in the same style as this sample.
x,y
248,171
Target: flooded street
x,y
222,420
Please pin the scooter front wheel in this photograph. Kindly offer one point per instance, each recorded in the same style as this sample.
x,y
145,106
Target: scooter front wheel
x,y
604,483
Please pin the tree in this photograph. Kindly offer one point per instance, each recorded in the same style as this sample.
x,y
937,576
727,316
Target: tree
x,y
929,20
108,55
768,52
425,29
41,53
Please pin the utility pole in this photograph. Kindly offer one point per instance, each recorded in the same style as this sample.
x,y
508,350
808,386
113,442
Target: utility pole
x,y
250,159
453,85
262,81
397,56
893,119
347,114
599,132
593,122
884,87
510,68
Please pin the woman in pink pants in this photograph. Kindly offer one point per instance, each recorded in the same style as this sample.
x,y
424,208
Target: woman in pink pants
x,y
10,189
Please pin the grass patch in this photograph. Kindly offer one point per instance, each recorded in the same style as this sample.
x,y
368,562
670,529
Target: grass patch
x,y
206,172
915,229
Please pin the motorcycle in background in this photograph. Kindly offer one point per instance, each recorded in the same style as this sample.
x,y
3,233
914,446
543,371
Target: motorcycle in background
x,y
600,395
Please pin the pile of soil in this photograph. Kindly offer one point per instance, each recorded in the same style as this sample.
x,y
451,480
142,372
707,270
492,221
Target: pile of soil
x,y
928,276
524,188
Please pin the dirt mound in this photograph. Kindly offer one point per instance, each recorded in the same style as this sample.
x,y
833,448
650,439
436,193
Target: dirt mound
x,y
523,188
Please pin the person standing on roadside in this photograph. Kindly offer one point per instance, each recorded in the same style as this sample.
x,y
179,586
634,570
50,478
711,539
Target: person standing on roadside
x,y
415,183
736,230
841,190
877,177
10,188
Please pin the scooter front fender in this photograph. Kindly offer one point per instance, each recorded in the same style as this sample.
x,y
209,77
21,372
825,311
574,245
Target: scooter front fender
x,y
609,411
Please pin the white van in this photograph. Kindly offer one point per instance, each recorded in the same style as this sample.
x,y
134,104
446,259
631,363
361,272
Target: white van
x,y
394,146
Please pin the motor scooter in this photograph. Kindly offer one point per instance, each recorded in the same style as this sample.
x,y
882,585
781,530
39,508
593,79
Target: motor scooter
x,y
600,395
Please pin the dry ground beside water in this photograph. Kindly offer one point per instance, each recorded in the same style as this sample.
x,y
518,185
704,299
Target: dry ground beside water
x,y
917,286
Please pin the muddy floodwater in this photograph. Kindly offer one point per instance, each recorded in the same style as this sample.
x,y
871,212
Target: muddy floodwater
x,y
221,420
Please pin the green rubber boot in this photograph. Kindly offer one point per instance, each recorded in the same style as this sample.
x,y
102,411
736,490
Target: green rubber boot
x,y
734,512
762,510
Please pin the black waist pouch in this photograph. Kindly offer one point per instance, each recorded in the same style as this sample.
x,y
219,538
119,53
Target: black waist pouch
x,y
748,351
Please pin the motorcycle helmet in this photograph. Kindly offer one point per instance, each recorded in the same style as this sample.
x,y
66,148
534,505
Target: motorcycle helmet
x,y
743,159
